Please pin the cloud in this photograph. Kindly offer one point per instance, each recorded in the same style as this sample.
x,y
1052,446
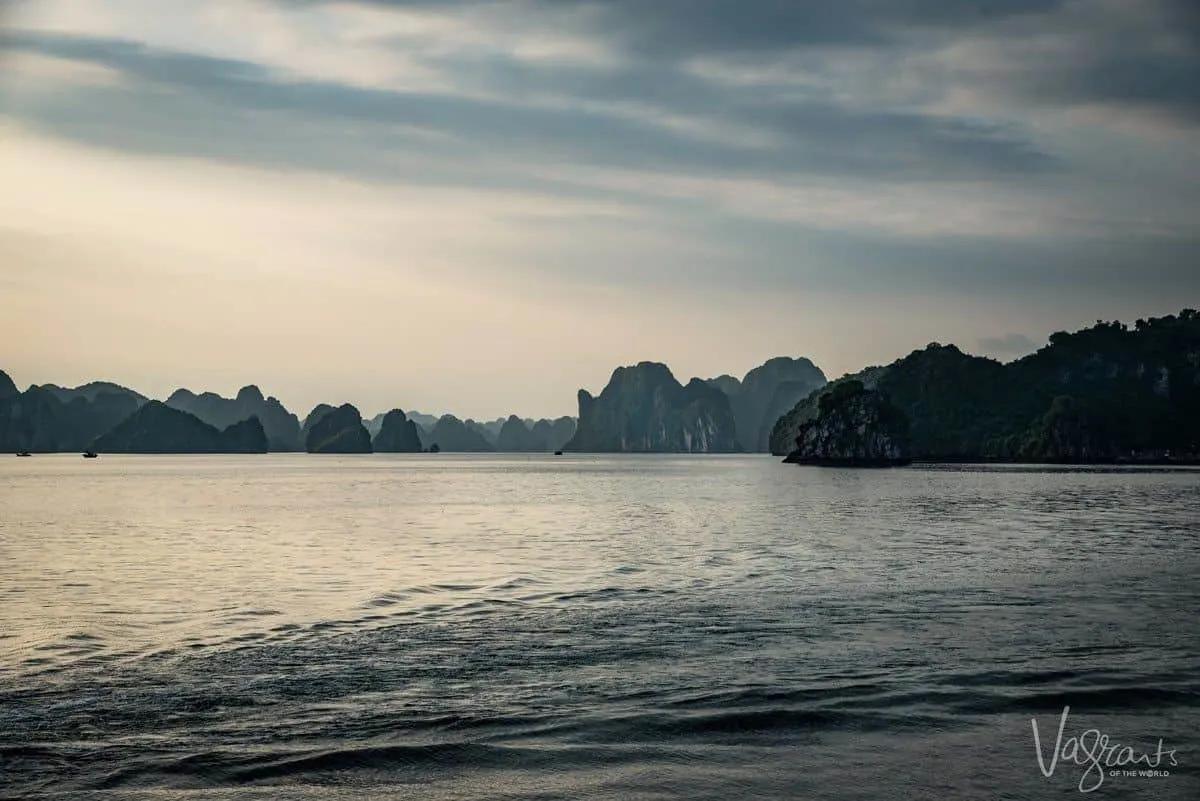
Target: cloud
x,y
1135,57
1008,345
1127,53
683,27
852,164
808,168
794,136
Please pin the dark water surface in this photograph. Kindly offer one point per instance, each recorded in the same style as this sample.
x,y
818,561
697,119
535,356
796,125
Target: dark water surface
x,y
590,628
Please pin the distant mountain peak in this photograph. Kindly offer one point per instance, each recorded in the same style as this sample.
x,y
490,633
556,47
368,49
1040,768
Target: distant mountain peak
x,y
645,409
397,434
8,388
338,430
158,428
250,394
91,390
451,434
282,427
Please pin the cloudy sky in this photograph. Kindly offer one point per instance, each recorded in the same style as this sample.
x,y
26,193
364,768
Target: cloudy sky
x,y
482,205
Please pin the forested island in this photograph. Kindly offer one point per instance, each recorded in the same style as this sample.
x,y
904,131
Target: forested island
x,y
1111,393
1107,394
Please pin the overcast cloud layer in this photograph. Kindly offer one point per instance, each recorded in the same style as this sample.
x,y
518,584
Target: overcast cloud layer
x,y
482,205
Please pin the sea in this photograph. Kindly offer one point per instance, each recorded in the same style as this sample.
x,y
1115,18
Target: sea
x,y
595,627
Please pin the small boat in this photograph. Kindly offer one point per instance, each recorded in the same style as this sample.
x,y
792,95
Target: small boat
x,y
24,453
89,455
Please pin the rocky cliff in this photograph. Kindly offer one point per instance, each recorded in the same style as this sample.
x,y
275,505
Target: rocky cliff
x,y
787,427
158,428
33,420
397,434
643,409
338,430
854,427
765,394
318,411
282,427
36,420
8,389
769,391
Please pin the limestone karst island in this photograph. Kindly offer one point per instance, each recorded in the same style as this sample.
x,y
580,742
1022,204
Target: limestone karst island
x,y
1111,393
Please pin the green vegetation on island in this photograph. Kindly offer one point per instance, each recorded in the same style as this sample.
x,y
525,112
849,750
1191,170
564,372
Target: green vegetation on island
x,y
855,427
1109,393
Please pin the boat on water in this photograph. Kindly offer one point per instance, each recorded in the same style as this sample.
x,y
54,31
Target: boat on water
x,y
24,453
90,455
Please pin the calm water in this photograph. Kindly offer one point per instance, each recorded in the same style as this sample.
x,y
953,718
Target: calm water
x,y
589,628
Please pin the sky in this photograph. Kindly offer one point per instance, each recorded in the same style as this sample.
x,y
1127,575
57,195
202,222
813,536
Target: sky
x,y
481,206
